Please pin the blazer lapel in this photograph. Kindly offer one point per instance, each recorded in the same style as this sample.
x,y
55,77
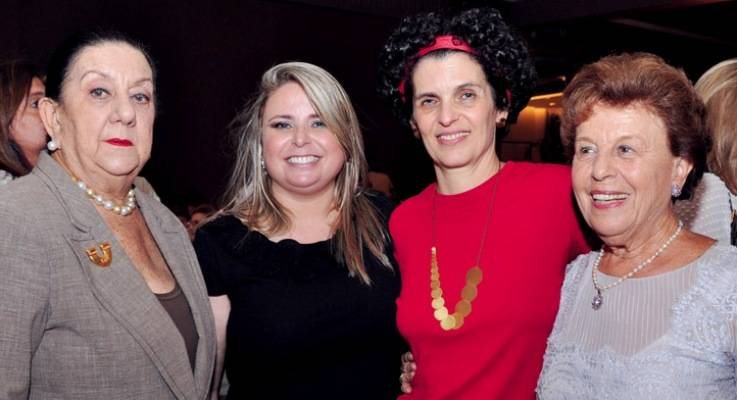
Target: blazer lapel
x,y
177,250
119,287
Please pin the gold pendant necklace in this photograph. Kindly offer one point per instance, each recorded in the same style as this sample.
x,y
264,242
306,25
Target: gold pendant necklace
x,y
454,320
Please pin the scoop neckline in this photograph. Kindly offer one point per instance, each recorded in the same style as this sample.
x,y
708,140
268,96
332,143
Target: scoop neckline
x,y
682,269
282,242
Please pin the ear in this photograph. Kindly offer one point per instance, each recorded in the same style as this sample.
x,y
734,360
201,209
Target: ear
x,y
49,112
681,168
501,117
413,125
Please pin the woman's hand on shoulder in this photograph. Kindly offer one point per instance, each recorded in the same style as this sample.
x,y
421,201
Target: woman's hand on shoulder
x,y
408,370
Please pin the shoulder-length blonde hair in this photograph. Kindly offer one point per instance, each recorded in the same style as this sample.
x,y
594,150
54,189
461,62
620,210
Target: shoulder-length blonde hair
x,y
718,88
249,195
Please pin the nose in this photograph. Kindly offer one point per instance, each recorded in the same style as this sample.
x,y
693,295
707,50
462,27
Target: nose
x,y
602,167
124,111
447,113
301,136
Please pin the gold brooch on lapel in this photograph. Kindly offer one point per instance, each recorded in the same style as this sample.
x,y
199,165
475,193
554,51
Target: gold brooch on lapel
x,y
101,260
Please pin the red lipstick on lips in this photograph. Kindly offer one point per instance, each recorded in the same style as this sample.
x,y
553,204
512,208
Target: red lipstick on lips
x,y
119,142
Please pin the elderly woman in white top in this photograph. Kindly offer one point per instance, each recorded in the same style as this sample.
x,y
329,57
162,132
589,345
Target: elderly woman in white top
x,y
653,314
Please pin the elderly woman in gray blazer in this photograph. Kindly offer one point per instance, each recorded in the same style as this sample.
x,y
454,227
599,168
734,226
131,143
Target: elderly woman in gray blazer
x,y
100,292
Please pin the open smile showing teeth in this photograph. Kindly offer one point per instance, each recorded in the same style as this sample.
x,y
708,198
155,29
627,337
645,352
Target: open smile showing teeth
x,y
302,159
452,136
609,196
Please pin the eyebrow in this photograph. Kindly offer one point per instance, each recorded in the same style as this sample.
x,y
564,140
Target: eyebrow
x,y
459,87
107,76
625,137
287,116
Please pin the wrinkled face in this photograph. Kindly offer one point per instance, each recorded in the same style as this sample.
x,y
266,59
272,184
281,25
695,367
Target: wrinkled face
x,y
453,111
26,128
623,170
104,122
302,156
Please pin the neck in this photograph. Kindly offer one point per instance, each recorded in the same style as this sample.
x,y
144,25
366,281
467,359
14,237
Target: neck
x,y
625,253
111,187
31,157
311,217
459,180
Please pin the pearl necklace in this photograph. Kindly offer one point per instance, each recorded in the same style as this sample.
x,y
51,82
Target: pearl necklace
x,y
123,210
598,299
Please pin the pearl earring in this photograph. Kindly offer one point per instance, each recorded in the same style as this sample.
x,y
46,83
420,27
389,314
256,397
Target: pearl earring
x,y
52,145
675,190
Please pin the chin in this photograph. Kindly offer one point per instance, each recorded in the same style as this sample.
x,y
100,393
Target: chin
x,y
609,229
119,167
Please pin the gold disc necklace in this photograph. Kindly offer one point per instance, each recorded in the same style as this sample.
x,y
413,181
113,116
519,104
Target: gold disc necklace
x,y
454,320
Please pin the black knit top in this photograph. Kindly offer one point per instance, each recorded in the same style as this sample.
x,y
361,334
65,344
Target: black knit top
x,y
300,327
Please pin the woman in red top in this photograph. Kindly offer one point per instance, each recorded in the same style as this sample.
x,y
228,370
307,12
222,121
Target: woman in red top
x,y
482,251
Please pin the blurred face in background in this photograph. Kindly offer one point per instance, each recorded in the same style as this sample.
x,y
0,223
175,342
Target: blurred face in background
x,y
26,129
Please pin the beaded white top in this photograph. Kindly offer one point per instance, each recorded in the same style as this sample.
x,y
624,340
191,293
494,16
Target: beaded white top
x,y
709,211
670,336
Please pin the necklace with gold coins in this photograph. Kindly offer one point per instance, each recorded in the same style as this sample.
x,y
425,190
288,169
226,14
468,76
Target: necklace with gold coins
x,y
451,320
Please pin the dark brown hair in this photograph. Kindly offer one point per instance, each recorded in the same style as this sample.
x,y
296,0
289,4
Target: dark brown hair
x,y
643,78
15,84
66,54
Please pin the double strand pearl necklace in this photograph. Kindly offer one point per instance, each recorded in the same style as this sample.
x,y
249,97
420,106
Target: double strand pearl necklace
x,y
451,320
598,298
120,209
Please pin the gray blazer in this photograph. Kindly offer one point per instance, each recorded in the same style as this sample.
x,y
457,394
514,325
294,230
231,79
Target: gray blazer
x,y
70,329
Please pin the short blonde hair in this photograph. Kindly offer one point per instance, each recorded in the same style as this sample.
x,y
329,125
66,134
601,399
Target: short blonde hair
x,y
249,194
718,88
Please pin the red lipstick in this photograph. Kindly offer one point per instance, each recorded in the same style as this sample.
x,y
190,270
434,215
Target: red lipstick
x,y
119,142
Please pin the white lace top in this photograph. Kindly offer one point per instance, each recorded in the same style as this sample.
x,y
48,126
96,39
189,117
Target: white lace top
x,y
709,211
671,336
5,177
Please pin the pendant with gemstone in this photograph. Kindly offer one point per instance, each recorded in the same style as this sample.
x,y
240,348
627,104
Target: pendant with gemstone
x,y
597,301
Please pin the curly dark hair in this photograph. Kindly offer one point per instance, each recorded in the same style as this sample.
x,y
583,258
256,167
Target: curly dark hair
x,y
501,53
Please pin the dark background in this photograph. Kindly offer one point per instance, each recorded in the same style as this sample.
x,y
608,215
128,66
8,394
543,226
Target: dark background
x,y
210,56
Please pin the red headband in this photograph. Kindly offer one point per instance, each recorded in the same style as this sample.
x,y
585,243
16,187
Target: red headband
x,y
443,42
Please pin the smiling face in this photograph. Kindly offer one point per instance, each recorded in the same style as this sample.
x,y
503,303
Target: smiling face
x,y
26,128
454,112
622,172
302,156
104,121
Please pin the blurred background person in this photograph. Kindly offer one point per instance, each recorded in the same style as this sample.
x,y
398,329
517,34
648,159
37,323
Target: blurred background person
x,y
711,210
299,265
22,134
101,295
482,252
197,215
653,314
